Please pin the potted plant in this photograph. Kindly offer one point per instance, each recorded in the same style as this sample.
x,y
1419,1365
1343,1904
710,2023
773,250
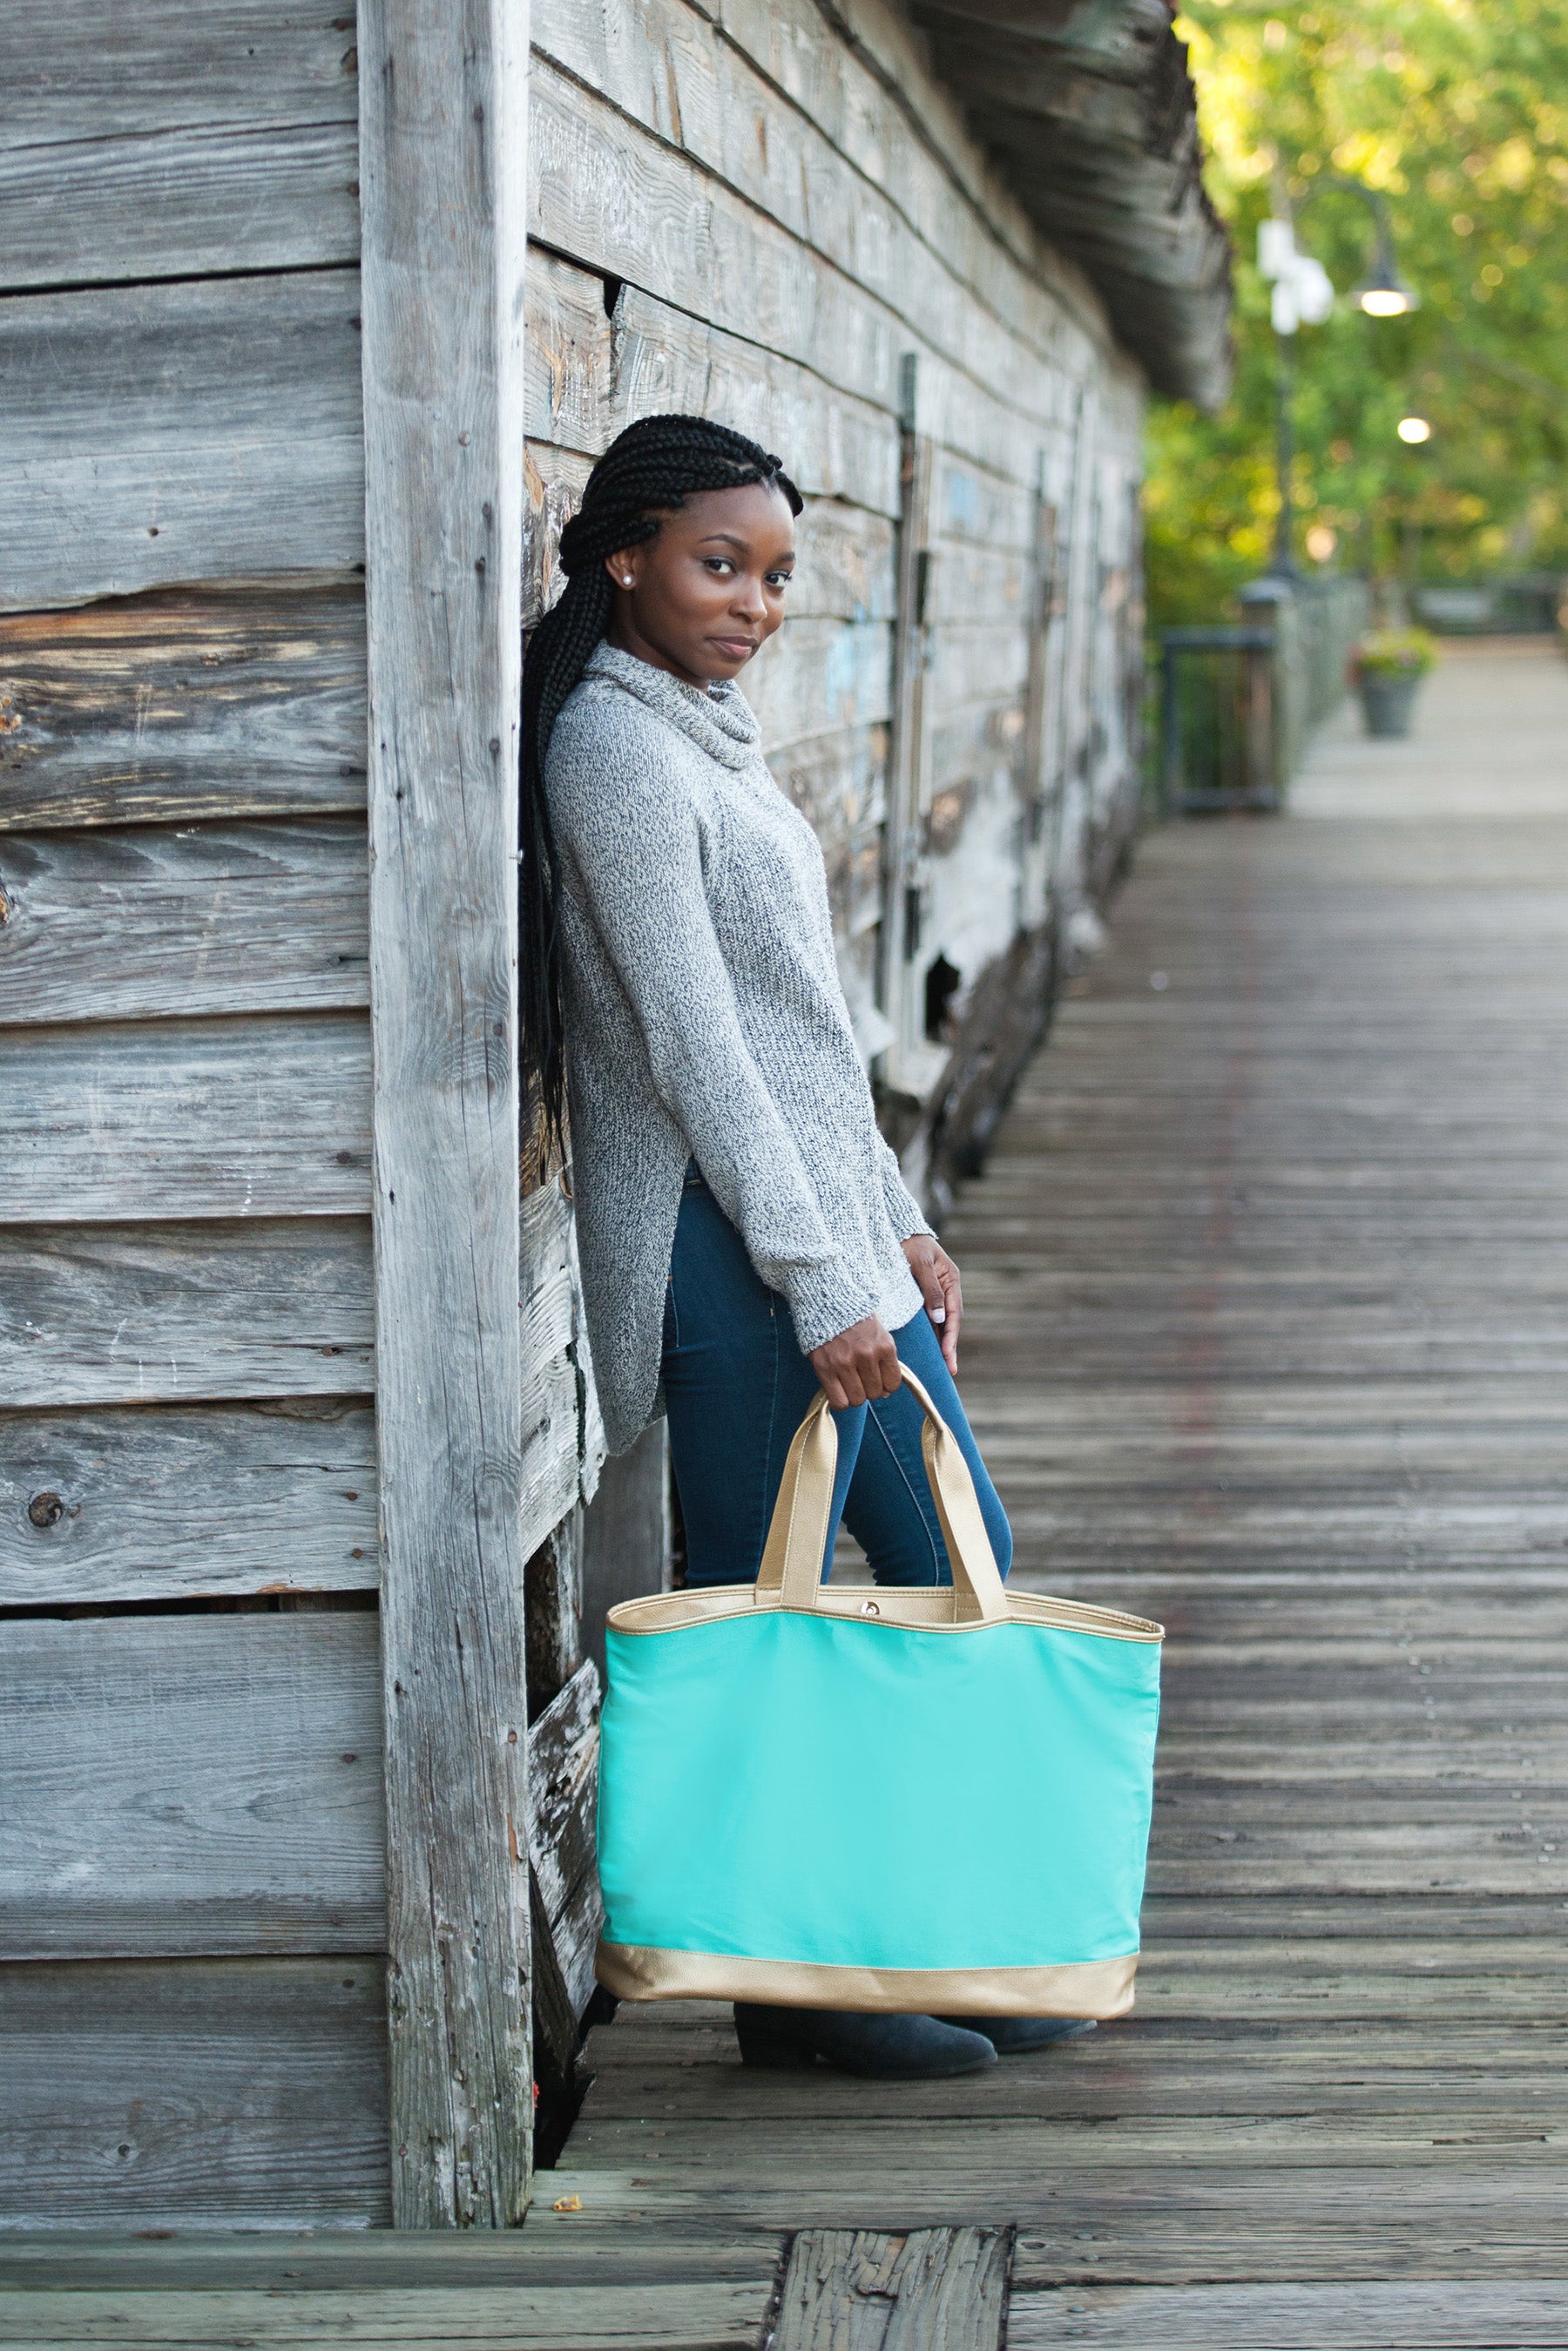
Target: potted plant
x,y
1386,669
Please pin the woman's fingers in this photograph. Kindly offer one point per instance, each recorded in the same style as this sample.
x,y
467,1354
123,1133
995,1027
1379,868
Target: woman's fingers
x,y
953,1300
937,1275
858,1366
923,1265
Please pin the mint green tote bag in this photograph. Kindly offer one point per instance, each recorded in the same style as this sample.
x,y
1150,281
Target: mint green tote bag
x,y
933,1799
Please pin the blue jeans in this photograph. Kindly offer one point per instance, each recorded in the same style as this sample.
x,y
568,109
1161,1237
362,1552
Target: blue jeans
x,y
736,1388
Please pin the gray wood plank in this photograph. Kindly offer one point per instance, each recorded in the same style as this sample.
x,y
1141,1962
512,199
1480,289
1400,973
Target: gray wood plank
x,y
552,1614
444,128
188,1786
563,1802
189,200
185,1785
186,141
562,1440
230,63
181,432
1408,2315
128,925
565,2248
676,2316
199,2092
97,1314
167,1501
269,1115
245,700
932,2289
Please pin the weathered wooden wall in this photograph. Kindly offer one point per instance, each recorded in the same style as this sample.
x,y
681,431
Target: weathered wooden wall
x,y
771,212
193,1891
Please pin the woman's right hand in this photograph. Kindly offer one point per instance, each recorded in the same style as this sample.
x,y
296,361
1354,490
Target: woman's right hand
x,y
859,1365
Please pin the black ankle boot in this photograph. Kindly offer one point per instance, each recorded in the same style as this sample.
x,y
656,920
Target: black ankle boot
x,y
1014,2036
885,2048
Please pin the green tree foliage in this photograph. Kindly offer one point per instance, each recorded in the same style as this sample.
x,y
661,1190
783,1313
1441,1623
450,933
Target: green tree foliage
x,y
1457,112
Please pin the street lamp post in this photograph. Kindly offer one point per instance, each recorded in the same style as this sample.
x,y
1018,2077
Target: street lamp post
x,y
1302,295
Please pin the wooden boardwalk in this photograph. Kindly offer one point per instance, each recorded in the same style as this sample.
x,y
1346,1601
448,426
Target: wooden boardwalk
x,y
1268,1287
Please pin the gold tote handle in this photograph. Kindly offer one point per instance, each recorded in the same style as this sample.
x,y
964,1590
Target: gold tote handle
x,y
792,1557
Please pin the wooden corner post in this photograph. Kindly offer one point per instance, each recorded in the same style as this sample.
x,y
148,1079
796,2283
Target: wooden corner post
x,y
443,123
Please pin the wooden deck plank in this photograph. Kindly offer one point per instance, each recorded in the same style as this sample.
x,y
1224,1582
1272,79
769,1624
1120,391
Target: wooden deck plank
x,y
704,2316
929,2290
1407,2315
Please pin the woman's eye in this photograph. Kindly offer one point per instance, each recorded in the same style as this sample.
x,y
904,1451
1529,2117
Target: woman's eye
x,y
719,563
779,579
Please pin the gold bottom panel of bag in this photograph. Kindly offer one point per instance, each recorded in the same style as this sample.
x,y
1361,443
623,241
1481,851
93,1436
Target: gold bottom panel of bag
x,y
1081,1988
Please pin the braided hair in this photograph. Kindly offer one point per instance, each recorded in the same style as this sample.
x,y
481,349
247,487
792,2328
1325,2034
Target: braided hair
x,y
647,471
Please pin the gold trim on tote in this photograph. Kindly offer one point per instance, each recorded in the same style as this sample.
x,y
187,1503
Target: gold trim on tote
x,y
1078,1988
924,1608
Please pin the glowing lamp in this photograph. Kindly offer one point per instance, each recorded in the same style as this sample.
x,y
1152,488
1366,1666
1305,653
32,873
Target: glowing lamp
x,y
1383,293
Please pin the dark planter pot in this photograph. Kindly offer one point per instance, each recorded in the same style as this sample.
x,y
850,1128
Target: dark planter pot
x,y
1387,705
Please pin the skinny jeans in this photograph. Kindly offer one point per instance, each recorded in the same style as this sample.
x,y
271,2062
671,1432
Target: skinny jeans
x,y
736,1388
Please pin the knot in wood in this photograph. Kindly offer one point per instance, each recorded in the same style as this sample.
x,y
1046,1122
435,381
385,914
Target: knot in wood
x,y
46,1509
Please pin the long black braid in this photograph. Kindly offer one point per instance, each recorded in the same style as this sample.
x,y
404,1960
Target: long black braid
x,y
647,471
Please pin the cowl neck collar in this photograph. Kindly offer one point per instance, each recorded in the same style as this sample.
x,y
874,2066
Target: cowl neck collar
x,y
719,720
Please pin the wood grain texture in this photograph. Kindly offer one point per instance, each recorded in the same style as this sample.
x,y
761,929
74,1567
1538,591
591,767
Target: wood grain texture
x,y
174,707
187,199
563,1798
673,71
443,150
189,141
158,1502
590,373
933,2290
1459,2314
267,1116
553,2249
195,2092
129,926
98,1314
558,1463
244,60
593,196
189,1785
586,2316
822,677
877,100
552,1614
173,432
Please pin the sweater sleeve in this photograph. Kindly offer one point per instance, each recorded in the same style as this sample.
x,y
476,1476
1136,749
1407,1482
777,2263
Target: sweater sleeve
x,y
636,849
907,1216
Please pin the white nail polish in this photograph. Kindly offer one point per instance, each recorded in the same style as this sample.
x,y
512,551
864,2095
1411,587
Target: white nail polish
x,y
938,1314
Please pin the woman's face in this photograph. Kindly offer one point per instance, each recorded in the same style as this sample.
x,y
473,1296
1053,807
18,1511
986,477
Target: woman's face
x,y
700,598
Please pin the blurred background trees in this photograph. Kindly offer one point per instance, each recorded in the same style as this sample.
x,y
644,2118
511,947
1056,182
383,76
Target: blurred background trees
x,y
1457,112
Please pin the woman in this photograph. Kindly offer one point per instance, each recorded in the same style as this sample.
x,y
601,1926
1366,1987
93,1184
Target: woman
x,y
744,1230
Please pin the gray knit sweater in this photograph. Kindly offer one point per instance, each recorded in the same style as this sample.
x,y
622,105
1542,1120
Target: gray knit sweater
x,y
705,1020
